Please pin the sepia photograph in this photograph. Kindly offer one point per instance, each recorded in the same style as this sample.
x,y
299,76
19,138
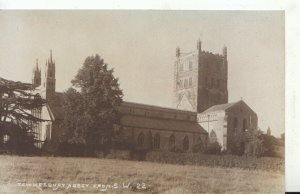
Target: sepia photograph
x,y
142,101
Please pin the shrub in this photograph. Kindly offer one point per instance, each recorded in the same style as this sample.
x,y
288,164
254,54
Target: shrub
x,y
226,161
176,149
197,148
119,154
273,147
213,148
79,149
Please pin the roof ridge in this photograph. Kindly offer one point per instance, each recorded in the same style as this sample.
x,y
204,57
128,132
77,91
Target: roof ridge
x,y
214,107
156,106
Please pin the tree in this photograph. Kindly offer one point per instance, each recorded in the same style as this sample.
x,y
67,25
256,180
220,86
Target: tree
x,y
282,136
16,120
74,129
273,147
91,109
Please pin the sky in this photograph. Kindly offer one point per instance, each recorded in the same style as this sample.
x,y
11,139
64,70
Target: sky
x,y
140,46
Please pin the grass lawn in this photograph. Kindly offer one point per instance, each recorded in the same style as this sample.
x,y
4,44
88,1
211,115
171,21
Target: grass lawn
x,y
91,175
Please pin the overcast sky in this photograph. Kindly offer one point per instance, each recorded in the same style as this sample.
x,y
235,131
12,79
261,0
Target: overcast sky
x,y
140,46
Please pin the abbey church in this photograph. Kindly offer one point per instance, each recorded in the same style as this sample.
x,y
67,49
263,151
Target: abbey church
x,y
201,112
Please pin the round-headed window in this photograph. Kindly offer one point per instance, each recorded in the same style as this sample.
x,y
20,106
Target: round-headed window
x,y
141,139
172,141
156,141
186,143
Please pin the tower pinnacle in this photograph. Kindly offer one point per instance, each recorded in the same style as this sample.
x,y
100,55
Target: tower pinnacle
x,y
225,52
51,55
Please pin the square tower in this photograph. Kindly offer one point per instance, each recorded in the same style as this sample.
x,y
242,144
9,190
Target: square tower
x,y
200,79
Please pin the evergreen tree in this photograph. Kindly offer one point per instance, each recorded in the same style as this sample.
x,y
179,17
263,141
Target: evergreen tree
x,y
16,120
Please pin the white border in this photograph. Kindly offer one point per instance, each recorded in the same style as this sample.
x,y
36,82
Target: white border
x,y
292,73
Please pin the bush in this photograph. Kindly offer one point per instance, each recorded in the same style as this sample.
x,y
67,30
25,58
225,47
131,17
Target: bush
x,y
81,149
226,161
273,147
213,148
119,154
197,148
176,149
121,145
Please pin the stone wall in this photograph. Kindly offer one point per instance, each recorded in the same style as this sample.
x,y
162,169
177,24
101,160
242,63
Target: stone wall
x,y
240,120
133,135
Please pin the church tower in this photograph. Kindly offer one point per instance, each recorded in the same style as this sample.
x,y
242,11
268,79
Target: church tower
x,y
49,83
200,79
36,75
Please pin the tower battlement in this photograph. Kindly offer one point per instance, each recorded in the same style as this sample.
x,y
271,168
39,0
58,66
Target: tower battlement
x,y
200,79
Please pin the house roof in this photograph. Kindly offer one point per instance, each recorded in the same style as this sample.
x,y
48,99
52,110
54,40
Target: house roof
x,y
55,106
220,107
161,124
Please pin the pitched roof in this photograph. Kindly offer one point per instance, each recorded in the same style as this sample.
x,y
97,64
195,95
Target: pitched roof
x,y
220,107
161,124
155,108
55,106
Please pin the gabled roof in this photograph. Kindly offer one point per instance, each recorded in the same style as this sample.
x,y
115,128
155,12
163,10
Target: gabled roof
x,y
161,124
220,107
155,108
55,106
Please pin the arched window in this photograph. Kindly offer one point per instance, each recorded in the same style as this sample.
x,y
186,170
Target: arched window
x,y
190,82
218,83
190,65
186,143
213,136
235,123
149,140
185,83
199,141
172,141
180,67
141,139
156,141
244,124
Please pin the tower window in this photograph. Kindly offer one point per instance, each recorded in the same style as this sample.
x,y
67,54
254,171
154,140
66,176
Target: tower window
x,y
181,84
190,65
180,67
218,83
190,82
185,83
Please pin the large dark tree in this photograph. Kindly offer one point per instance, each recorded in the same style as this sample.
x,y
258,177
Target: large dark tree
x,y
73,124
91,109
16,120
